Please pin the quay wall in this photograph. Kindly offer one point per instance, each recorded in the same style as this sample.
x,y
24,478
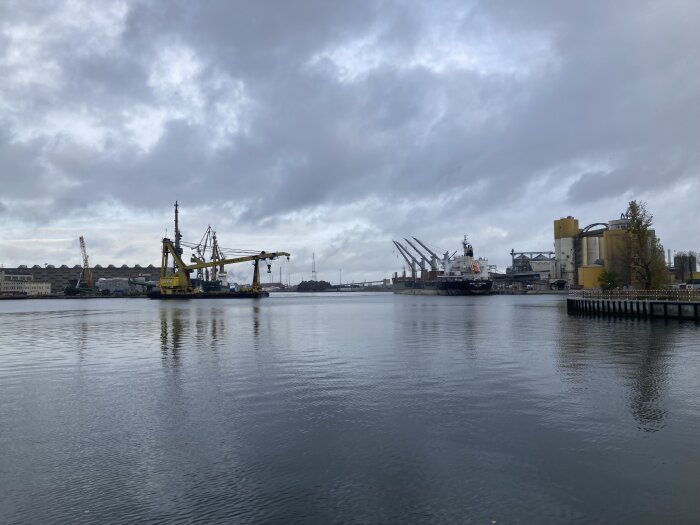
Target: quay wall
x,y
680,306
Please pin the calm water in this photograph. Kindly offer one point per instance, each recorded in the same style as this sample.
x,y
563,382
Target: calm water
x,y
345,409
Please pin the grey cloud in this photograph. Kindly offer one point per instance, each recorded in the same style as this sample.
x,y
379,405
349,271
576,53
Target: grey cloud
x,y
616,85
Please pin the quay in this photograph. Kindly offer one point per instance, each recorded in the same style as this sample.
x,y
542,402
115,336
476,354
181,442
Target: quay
x,y
662,304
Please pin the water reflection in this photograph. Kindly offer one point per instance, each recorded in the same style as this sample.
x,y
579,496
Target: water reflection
x,y
421,409
172,326
218,326
651,376
256,323
572,342
637,350
83,338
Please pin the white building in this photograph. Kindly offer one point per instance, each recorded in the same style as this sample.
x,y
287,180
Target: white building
x,y
11,284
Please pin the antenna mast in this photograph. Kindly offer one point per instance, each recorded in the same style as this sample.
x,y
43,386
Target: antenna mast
x,y
313,266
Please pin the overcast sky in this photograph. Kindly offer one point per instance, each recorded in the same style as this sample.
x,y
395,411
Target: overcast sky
x,y
333,127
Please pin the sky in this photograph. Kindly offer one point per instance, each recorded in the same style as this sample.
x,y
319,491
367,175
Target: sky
x,y
331,128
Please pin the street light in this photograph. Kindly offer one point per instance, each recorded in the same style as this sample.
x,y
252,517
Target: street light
x,y
340,277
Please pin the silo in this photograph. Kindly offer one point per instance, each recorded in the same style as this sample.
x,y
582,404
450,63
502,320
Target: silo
x,y
593,250
565,231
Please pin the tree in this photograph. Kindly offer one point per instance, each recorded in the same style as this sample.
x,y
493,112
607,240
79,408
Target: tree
x,y
646,253
609,280
313,286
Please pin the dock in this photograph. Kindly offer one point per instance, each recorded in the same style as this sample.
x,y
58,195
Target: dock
x,y
661,304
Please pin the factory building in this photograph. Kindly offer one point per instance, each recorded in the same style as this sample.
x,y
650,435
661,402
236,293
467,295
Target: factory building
x,y
17,284
685,266
119,285
582,255
60,277
531,270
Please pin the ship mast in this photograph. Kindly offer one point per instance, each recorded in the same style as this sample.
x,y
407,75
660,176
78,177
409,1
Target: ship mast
x,y
178,235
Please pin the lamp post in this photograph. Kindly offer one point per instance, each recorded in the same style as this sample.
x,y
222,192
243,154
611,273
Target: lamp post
x,y
340,277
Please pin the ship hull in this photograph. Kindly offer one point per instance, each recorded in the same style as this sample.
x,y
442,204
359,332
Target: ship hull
x,y
211,295
454,287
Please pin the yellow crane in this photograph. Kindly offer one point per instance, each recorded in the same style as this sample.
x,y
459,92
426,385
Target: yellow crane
x,y
178,283
86,272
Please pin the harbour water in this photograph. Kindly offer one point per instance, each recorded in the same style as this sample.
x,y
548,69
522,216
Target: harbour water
x,y
349,408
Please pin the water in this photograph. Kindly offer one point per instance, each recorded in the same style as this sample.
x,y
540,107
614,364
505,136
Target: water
x,y
351,408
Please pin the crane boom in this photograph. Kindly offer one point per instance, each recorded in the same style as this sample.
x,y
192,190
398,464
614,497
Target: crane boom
x,y
179,283
176,282
408,257
86,273
257,257
433,256
426,248
423,258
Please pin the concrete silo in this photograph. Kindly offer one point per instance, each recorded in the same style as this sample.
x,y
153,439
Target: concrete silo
x,y
566,231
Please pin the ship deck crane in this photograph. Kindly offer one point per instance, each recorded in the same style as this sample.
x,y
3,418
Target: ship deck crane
x,y
410,259
433,256
424,259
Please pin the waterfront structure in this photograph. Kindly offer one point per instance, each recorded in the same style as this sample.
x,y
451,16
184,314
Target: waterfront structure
x,y
60,277
666,304
583,254
18,284
532,270
121,285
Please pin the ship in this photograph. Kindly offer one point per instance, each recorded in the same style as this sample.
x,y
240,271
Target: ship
x,y
211,281
450,274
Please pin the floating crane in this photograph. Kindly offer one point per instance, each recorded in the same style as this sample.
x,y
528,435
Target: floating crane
x,y
176,283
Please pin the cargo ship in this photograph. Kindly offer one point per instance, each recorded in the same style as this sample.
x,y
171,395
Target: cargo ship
x,y
446,275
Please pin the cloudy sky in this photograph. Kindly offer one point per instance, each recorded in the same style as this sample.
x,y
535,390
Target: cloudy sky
x,y
332,127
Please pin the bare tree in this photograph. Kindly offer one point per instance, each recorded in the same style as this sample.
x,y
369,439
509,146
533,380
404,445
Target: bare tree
x,y
647,255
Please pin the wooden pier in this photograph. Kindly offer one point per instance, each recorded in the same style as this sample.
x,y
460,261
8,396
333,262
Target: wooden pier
x,y
661,304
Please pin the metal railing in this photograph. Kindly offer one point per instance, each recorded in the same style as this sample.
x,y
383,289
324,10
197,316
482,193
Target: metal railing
x,y
638,295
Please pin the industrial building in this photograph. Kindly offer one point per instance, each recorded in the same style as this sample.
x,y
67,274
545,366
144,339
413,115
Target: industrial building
x,y
531,270
19,284
59,277
583,254
685,266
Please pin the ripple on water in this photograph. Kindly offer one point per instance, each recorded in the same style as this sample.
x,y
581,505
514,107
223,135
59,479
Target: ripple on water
x,y
355,408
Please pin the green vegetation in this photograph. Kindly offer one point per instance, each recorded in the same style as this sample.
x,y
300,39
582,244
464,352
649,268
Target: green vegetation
x,y
313,286
609,280
647,255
